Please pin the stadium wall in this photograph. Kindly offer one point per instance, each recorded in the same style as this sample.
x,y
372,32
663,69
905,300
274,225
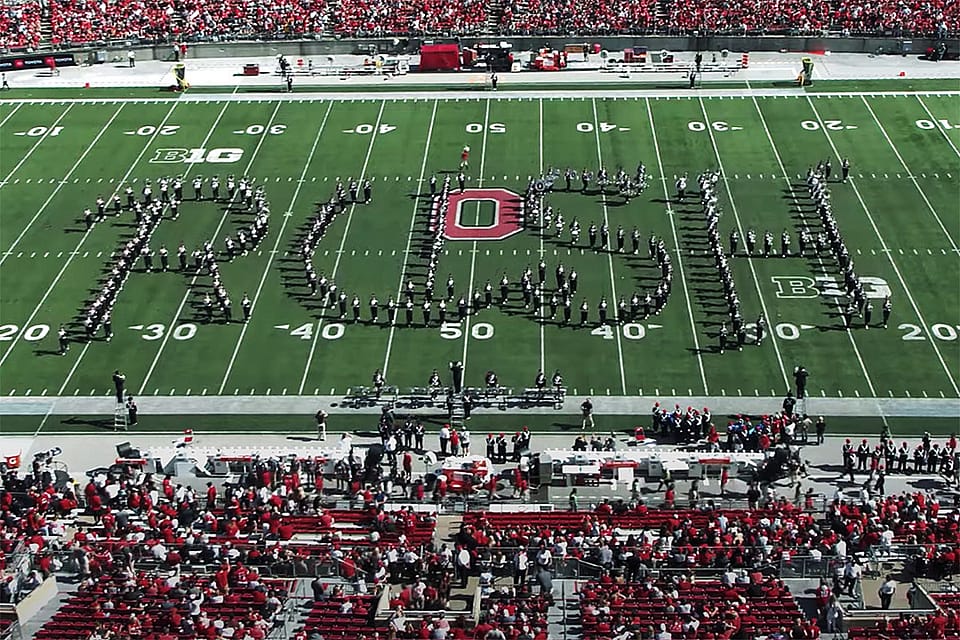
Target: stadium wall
x,y
333,46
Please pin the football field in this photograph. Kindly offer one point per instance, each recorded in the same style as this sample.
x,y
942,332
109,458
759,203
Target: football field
x,y
899,215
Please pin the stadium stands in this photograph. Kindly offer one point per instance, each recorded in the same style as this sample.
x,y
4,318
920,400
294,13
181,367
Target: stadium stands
x,y
19,24
693,609
82,22
563,17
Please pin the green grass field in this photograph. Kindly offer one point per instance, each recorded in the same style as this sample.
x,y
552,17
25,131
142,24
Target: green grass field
x,y
900,216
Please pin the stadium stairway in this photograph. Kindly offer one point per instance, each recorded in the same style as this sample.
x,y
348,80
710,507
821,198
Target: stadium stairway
x,y
494,14
46,30
663,11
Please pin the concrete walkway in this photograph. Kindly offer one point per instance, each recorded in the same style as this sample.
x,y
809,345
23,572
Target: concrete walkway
x,y
603,405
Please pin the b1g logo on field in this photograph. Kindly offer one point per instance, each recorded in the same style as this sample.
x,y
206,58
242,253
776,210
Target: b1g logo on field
x,y
826,286
506,215
197,155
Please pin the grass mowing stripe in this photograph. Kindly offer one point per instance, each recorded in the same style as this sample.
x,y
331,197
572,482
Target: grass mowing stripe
x,y
473,252
213,237
120,182
46,135
276,245
10,115
940,129
76,251
889,254
9,251
799,210
343,241
910,174
413,222
613,279
676,242
736,216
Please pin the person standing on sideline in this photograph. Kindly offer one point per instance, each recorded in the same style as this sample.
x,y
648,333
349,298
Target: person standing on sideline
x,y
131,412
573,500
321,418
119,381
131,58
5,85
493,85
586,408
821,428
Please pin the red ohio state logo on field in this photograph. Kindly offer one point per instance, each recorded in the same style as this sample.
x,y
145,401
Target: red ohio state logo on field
x,y
506,216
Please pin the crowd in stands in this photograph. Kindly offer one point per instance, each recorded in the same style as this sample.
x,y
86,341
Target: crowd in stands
x,y
562,17
89,21
19,24
681,606
378,18
159,560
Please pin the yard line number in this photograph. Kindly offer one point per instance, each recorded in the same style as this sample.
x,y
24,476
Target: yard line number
x,y
940,331
479,331
942,123
832,125
367,128
149,130
36,132
494,127
630,330
32,333
718,125
331,331
157,330
259,129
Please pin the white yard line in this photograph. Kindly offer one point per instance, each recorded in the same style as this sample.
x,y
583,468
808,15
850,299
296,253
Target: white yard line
x,y
473,252
612,304
912,178
796,201
36,144
343,242
937,122
276,246
10,115
676,242
405,256
753,270
43,207
542,232
213,238
886,250
76,250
